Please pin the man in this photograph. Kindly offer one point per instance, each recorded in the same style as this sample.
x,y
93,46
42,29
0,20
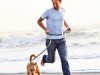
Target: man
x,y
55,33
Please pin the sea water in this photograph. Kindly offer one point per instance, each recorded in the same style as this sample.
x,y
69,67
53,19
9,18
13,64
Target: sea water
x,y
83,49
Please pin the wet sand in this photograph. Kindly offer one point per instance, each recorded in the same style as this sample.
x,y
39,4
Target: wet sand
x,y
78,73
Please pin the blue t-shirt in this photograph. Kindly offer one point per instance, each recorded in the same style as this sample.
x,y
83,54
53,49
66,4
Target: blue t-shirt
x,y
54,23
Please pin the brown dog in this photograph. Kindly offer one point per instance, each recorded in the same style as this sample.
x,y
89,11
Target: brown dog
x,y
32,67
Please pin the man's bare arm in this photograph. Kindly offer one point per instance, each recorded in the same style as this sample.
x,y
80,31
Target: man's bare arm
x,y
42,25
67,27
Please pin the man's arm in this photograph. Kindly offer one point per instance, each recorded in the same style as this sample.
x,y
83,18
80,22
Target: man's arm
x,y
67,27
42,25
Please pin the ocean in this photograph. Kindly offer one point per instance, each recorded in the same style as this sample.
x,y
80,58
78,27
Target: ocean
x,y
83,45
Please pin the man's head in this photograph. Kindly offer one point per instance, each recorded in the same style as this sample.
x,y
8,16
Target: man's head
x,y
56,4
57,0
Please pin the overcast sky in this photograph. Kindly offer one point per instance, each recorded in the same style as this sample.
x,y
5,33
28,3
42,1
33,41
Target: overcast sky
x,y
23,14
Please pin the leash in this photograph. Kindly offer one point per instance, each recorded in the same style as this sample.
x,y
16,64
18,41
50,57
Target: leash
x,y
43,50
48,44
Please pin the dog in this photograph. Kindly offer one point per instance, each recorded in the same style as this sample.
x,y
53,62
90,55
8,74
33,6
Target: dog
x,y
32,67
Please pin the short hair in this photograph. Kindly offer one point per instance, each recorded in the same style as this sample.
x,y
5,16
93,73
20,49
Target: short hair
x,y
59,1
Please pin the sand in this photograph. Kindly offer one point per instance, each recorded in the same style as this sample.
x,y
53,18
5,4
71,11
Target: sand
x,y
78,73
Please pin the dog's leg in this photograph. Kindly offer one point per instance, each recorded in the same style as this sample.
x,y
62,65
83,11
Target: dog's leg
x,y
37,70
28,70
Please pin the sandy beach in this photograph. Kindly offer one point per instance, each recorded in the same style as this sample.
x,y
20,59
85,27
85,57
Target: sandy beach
x,y
90,73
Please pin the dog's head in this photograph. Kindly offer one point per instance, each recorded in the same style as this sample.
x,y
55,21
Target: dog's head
x,y
33,66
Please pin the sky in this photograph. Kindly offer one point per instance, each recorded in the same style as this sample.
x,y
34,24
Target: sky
x,y
23,14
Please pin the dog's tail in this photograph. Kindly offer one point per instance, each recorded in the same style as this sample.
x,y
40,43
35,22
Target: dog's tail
x,y
33,55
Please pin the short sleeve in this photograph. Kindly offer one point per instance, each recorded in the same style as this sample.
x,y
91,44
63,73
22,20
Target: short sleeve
x,y
45,15
63,11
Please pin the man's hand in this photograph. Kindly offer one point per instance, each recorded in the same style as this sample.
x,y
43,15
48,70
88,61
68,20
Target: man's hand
x,y
69,30
46,31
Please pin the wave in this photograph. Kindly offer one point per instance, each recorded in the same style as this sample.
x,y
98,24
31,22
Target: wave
x,y
83,49
83,34
12,41
74,44
78,37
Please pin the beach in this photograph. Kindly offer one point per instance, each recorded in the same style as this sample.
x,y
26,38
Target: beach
x,y
20,36
83,52
78,73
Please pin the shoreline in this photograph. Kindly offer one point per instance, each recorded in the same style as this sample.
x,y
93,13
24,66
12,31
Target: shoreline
x,y
73,73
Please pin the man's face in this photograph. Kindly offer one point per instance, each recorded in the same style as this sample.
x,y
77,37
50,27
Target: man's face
x,y
56,4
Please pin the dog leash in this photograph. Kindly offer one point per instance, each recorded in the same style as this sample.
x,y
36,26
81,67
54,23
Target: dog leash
x,y
42,51
48,44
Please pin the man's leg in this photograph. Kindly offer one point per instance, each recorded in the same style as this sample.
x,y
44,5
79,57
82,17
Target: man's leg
x,y
50,58
62,50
